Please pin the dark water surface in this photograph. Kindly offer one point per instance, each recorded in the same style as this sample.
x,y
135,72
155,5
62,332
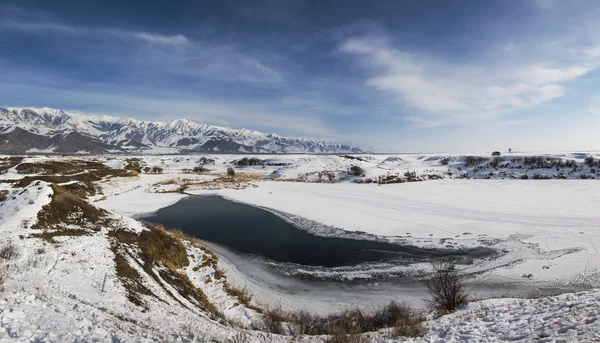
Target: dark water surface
x,y
252,230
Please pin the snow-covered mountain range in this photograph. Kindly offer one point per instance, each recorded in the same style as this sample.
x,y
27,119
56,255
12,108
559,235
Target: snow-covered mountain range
x,y
53,130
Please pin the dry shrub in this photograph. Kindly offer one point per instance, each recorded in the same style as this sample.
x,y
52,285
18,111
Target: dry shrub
x,y
4,195
409,327
9,252
446,287
273,320
341,336
401,317
242,294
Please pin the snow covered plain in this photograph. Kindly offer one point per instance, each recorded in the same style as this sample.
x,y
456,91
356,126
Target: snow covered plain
x,y
546,227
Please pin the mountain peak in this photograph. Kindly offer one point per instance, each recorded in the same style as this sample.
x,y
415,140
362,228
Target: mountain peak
x,y
107,133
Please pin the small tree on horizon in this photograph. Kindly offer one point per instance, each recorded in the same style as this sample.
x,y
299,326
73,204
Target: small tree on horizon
x,y
509,150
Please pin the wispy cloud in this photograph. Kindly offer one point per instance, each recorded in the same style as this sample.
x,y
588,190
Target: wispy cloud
x,y
161,39
441,93
50,27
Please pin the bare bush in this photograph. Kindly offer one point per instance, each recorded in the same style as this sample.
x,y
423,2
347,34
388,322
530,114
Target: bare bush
x,y
446,287
356,171
253,161
496,161
230,171
9,252
273,320
475,160
200,169
590,161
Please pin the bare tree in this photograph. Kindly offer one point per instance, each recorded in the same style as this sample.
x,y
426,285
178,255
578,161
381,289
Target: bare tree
x,y
230,171
509,150
446,287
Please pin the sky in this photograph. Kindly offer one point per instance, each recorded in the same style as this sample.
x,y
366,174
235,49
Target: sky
x,y
393,76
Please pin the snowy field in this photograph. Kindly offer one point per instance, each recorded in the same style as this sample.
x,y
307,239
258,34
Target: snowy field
x,y
545,230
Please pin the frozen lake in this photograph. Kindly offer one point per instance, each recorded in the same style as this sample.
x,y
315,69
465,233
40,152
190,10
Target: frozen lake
x,y
251,230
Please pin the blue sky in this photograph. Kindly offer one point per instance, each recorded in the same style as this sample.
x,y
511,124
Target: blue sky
x,y
403,76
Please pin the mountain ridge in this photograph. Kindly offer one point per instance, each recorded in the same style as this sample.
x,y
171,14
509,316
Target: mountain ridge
x,y
26,130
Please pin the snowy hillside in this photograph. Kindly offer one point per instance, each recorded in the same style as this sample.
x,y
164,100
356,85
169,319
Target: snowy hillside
x,y
75,265
53,130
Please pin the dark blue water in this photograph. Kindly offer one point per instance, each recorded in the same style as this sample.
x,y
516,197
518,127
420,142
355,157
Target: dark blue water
x,y
252,230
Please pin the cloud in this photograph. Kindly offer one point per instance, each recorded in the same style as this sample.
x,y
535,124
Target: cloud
x,y
161,39
50,27
440,93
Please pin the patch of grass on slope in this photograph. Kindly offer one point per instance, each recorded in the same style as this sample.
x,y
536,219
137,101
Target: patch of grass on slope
x,y
161,255
68,215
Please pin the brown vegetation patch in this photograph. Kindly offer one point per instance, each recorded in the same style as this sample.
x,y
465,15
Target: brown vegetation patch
x,y
186,288
124,236
237,181
159,245
60,167
68,209
130,279
402,318
162,254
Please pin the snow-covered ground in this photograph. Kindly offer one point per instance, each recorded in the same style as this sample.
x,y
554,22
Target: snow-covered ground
x,y
546,231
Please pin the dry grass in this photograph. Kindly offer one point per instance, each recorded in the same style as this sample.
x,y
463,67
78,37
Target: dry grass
x,y
60,167
403,320
123,236
162,254
66,208
85,172
158,244
186,288
341,336
241,294
130,278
